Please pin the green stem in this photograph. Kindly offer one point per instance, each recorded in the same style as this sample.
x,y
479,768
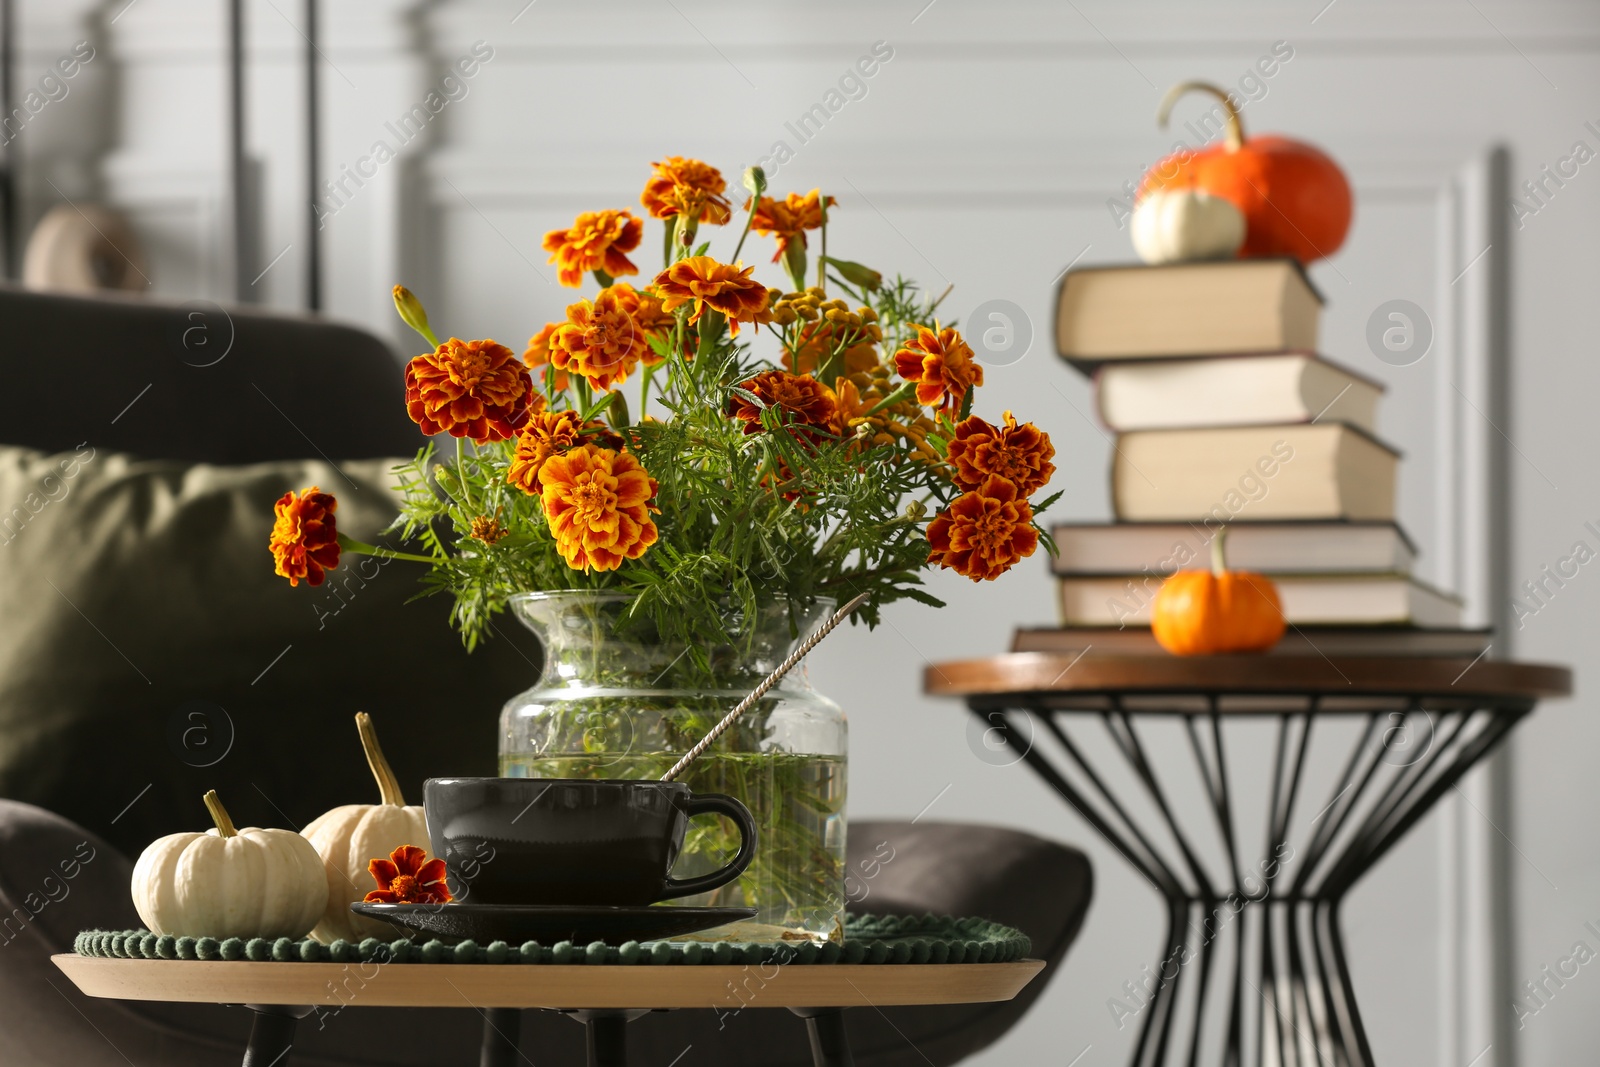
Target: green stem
x,y
461,474
822,253
905,390
644,389
750,218
361,548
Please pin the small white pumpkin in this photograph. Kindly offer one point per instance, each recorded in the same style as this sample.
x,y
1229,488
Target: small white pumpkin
x,y
230,883
351,836
1182,225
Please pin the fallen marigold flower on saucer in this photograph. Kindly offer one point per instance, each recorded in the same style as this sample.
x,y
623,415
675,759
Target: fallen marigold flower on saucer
x,y
408,877
596,240
723,287
941,364
983,533
475,389
598,503
1019,454
305,538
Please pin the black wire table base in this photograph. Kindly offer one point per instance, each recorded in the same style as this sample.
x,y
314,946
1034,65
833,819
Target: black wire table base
x,y
1253,969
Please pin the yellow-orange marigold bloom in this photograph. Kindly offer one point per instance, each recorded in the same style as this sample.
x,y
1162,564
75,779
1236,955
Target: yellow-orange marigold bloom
x,y
548,433
789,219
305,538
473,389
1019,454
941,364
983,533
600,340
816,342
596,240
723,287
644,305
598,503
680,186
809,408
537,356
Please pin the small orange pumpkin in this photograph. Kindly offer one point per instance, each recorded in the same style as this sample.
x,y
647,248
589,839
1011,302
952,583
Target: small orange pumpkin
x,y
1200,613
1295,200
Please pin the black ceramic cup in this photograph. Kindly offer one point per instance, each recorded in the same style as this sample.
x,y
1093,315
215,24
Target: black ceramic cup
x,y
572,841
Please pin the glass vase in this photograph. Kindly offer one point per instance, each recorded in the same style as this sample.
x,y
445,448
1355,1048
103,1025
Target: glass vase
x,y
616,701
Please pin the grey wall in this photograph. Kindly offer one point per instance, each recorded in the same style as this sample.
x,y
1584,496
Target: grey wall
x,y
983,155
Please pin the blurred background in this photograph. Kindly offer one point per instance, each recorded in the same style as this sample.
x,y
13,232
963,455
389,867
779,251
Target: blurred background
x,y
994,145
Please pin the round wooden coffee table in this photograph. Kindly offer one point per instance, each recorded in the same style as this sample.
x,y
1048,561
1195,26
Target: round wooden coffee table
x,y
1334,759
604,998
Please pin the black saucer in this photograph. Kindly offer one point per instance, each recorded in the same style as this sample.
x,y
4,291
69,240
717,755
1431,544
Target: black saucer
x,y
516,923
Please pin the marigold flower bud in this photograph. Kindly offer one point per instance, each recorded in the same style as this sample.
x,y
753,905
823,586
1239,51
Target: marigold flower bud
x,y
755,180
412,313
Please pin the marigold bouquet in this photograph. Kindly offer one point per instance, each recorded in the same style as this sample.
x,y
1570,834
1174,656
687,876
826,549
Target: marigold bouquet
x,y
745,478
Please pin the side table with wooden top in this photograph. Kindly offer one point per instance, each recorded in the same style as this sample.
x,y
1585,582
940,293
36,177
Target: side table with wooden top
x,y
1391,734
603,998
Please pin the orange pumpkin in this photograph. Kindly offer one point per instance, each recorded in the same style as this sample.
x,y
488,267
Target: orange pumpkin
x,y
1199,613
1295,200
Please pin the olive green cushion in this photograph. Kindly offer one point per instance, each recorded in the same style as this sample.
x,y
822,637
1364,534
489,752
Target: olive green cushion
x,y
148,652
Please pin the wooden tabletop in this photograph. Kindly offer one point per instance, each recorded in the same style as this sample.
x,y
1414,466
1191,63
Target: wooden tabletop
x,y
1019,673
433,985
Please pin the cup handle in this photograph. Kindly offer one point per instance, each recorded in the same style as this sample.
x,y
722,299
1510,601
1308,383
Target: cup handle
x,y
717,804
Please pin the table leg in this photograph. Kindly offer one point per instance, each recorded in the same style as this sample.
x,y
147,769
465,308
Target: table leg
x,y
502,1033
606,1033
830,1045
1295,981
272,1034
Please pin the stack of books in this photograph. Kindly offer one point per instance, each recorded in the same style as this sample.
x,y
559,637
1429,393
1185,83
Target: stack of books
x,y
1225,415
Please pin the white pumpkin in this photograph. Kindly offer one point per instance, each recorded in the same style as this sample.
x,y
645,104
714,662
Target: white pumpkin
x,y
351,836
230,883
1182,225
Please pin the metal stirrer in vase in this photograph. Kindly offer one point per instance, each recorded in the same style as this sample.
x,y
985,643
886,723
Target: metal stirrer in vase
x,y
761,690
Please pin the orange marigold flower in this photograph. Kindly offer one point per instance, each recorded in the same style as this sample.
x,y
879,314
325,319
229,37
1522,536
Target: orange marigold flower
x,y
598,504
680,186
548,433
644,305
305,537
941,364
723,287
809,408
816,342
789,219
983,533
600,340
473,389
1019,454
408,877
537,355
596,240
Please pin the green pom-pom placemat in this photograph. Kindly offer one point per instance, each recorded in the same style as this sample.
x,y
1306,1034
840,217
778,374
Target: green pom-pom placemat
x,y
869,939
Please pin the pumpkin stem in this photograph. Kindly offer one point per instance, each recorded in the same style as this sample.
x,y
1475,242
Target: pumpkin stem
x,y
388,784
1219,558
1235,128
219,814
